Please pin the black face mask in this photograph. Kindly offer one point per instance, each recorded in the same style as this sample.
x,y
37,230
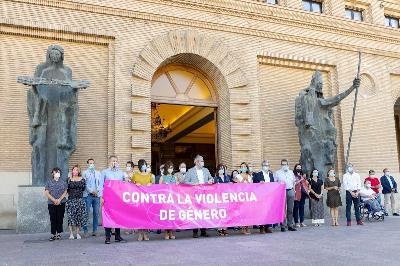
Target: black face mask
x,y
299,171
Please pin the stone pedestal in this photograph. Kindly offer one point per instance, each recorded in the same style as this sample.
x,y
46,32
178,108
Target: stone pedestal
x,y
32,212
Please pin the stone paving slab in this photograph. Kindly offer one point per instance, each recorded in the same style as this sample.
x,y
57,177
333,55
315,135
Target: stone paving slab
x,y
375,243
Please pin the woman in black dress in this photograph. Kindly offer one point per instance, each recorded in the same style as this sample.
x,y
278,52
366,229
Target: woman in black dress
x,y
316,199
333,200
75,206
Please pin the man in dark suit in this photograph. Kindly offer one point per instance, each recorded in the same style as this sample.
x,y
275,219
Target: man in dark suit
x,y
264,176
389,188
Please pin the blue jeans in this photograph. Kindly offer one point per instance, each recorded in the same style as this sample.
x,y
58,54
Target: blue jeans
x,y
356,201
92,202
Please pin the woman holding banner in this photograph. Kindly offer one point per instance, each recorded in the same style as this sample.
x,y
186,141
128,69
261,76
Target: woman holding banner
x,y
168,178
142,178
244,177
221,177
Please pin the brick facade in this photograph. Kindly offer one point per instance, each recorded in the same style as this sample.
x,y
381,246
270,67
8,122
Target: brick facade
x,y
258,56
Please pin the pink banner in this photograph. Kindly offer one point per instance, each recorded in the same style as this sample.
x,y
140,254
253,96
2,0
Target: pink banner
x,y
184,206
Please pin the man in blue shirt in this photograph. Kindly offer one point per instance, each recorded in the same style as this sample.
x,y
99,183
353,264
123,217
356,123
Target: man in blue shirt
x,y
92,194
113,172
389,188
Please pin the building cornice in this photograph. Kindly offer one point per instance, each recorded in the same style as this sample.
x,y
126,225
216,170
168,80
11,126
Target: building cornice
x,y
272,14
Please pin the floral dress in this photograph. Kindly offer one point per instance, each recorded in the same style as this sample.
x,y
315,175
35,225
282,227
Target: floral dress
x,y
75,206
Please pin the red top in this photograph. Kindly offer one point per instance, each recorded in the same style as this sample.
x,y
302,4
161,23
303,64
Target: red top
x,y
374,182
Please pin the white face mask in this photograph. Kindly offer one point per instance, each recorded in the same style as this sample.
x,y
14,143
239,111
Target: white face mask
x,y
128,168
331,174
285,168
183,170
265,168
170,170
350,169
202,164
221,171
387,173
315,174
57,176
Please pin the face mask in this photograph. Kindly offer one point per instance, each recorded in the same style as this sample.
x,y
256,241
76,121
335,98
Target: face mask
x,y
91,166
350,169
56,176
243,169
285,167
221,171
331,174
202,164
182,170
170,170
143,168
250,169
387,173
368,185
371,175
315,173
161,170
265,168
128,168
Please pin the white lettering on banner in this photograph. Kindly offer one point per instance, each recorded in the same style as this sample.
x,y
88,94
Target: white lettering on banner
x,y
225,197
206,214
167,215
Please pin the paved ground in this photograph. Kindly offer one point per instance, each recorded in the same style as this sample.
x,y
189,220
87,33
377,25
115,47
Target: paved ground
x,y
371,244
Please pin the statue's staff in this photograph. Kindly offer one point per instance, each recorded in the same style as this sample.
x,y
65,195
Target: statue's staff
x,y
354,111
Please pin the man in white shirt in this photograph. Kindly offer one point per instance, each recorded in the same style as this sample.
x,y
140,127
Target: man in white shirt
x,y
285,176
352,185
368,196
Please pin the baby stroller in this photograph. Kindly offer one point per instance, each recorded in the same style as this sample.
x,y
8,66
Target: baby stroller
x,y
366,212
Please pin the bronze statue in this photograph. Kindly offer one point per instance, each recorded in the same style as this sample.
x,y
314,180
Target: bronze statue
x,y
316,129
53,112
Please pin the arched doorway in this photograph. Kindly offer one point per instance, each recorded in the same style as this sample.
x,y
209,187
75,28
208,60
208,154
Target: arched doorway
x,y
183,106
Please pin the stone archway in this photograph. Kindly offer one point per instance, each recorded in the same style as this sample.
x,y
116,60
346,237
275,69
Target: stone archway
x,y
206,53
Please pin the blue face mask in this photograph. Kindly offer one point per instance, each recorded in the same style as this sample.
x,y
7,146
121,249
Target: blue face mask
x,y
243,169
143,168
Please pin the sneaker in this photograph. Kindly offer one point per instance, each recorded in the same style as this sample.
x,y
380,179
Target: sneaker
x,y
58,237
71,236
94,233
297,225
107,241
52,238
283,229
303,225
292,229
78,236
395,214
146,237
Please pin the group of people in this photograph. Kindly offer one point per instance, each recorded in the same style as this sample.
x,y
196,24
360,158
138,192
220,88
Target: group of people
x,y
84,191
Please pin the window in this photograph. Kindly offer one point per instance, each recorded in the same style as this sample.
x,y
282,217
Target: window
x,y
391,22
312,6
272,2
354,14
